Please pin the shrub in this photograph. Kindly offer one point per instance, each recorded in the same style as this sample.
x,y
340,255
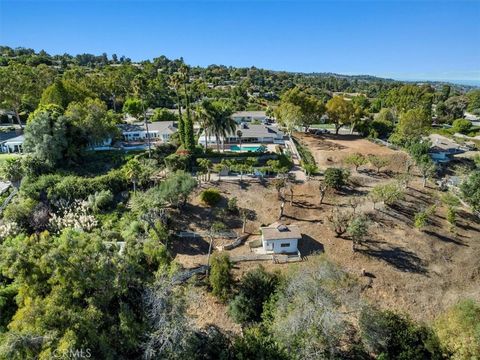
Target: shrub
x,y
176,162
20,211
421,219
210,196
220,276
101,200
393,336
255,289
232,206
459,330
336,177
461,126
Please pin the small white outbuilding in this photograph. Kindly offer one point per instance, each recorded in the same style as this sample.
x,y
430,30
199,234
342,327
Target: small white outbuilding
x,y
278,238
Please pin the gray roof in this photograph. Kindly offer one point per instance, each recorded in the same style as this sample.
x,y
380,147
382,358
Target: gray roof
x,y
162,127
8,135
278,231
19,139
256,131
249,113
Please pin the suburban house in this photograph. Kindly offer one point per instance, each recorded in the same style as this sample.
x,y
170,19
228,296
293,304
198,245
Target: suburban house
x,y
159,131
443,149
249,133
278,238
12,145
249,116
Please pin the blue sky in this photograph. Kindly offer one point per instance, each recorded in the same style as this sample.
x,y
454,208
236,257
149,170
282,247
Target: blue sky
x,y
399,39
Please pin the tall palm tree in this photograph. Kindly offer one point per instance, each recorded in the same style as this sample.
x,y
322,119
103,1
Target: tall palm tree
x,y
206,114
223,124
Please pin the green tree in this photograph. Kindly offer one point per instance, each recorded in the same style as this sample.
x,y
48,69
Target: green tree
x,y
470,189
220,277
288,115
46,136
461,126
92,121
413,123
134,107
378,162
13,171
339,111
473,97
162,114
357,229
19,88
133,171
255,288
386,193
356,160
392,336
459,330
336,178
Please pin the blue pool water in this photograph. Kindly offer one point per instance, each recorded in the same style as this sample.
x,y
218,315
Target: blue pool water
x,y
244,148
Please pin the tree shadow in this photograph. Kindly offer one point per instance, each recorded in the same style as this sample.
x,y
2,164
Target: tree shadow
x,y
444,238
285,216
190,246
401,259
308,246
305,205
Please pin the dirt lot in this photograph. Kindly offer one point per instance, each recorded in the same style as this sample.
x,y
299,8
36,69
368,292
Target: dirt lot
x,y
418,272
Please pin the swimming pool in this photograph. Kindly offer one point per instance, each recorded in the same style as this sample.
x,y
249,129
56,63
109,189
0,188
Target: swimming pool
x,y
245,148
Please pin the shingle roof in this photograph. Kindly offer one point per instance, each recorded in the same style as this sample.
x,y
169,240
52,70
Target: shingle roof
x,y
250,130
278,231
160,126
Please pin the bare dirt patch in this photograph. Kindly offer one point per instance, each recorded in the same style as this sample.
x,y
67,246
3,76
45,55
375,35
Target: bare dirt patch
x,y
413,271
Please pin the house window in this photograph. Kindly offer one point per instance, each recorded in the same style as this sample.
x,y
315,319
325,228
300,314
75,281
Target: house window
x,y
285,245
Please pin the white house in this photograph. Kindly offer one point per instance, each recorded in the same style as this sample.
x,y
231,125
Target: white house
x,y
250,133
278,238
13,145
249,116
158,131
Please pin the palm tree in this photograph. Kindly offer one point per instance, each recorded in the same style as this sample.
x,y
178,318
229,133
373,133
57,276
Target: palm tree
x,y
133,170
206,113
223,124
239,135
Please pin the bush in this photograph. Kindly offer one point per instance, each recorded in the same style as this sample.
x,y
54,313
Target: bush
x,y
336,177
461,126
101,200
176,162
210,196
161,114
255,289
392,336
459,330
232,206
20,211
220,276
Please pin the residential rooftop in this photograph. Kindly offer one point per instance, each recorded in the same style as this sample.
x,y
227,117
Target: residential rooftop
x,y
278,231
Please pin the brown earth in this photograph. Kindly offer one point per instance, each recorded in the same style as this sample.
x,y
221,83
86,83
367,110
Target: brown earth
x,y
417,272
